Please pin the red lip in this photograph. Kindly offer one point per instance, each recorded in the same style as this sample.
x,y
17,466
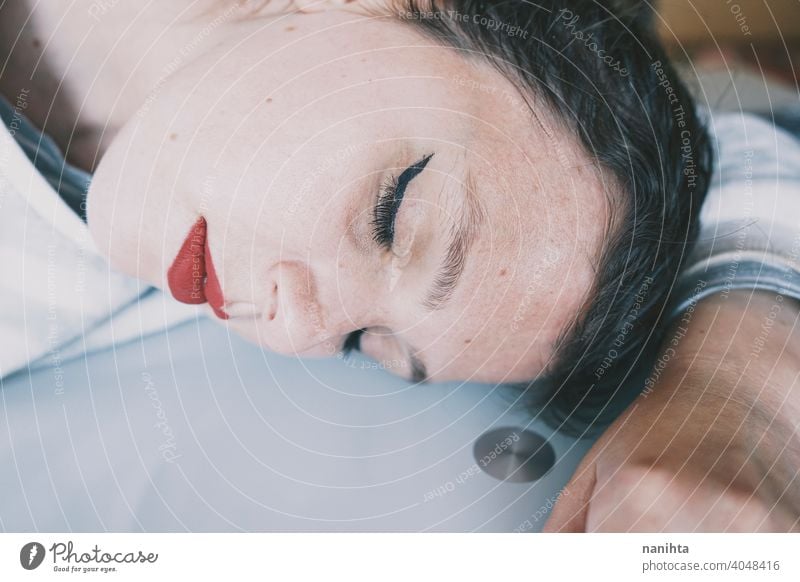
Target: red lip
x,y
192,278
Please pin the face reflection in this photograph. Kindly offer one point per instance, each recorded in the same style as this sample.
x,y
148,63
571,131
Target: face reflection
x,y
352,175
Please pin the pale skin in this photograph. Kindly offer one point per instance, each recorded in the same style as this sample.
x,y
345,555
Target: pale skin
x,y
279,128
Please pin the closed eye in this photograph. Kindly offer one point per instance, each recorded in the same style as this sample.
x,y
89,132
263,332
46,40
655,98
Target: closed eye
x,y
352,342
388,203
419,373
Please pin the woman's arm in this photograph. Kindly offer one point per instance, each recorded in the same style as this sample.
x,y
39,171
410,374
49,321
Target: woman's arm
x,y
714,446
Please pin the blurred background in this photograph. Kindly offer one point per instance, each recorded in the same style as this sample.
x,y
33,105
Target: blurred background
x,y
750,45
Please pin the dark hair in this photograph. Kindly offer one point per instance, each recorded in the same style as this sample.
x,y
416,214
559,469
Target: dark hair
x,y
600,69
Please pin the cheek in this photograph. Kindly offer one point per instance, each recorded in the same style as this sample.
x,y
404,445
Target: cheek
x,y
539,291
497,294
131,215
505,333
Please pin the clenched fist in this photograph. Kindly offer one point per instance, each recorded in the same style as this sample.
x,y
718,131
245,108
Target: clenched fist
x,y
715,444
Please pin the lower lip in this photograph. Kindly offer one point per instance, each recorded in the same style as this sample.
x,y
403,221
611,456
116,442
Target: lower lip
x,y
191,277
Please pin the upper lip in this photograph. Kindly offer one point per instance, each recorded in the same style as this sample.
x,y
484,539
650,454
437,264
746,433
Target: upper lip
x,y
192,277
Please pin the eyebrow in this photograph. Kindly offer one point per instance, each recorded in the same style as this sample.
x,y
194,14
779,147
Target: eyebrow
x,y
446,279
461,236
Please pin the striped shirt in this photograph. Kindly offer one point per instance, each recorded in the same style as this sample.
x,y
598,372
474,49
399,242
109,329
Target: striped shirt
x,y
750,222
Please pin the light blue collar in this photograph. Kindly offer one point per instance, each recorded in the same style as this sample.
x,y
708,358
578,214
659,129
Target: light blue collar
x,y
70,182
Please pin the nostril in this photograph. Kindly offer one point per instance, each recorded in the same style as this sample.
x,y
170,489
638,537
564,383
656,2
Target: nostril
x,y
272,309
289,300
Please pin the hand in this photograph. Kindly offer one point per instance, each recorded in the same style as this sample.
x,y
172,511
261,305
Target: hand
x,y
714,445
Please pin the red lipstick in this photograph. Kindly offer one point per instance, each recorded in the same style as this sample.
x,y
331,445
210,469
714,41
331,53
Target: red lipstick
x,y
192,277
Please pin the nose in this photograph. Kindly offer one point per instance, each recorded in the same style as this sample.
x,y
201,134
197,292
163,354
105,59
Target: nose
x,y
294,319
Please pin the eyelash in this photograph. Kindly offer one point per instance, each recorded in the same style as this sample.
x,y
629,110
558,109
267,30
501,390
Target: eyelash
x,y
389,201
384,214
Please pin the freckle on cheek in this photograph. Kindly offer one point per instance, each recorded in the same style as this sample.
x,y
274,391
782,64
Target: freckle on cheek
x,y
502,272
467,341
173,136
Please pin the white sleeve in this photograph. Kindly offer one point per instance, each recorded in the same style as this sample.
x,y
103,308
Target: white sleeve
x,y
54,285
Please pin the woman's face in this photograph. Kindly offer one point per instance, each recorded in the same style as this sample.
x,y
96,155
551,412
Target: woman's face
x,y
286,138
